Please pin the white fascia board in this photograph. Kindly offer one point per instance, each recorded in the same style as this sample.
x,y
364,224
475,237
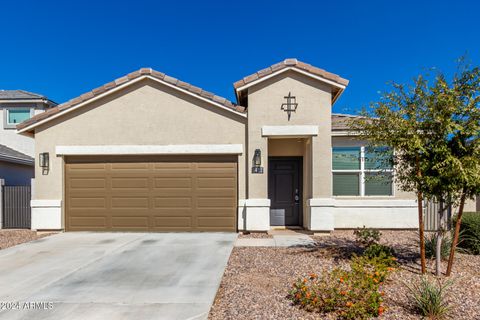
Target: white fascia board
x,y
308,74
17,160
45,203
150,149
120,87
289,131
13,101
257,202
344,133
375,203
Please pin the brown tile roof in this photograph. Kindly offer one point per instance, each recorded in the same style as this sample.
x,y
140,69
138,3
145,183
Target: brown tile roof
x,y
287,63
131,76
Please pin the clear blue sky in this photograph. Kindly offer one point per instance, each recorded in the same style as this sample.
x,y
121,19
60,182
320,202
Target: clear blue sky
x,y
63,49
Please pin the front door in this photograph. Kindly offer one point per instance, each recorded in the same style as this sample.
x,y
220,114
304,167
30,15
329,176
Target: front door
x,y
285,190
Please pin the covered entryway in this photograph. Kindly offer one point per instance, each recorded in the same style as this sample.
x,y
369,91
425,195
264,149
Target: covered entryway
x,y
150,193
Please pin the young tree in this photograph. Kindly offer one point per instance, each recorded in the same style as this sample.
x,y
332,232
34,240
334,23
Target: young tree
x,y
434,130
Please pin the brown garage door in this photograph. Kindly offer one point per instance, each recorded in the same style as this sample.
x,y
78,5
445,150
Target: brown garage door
x,y
151,194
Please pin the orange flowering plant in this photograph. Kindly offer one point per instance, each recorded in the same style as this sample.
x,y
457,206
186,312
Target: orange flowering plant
x,y
350,294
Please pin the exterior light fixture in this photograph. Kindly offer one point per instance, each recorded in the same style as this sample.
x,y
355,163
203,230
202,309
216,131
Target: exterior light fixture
x,y
257,162
43,159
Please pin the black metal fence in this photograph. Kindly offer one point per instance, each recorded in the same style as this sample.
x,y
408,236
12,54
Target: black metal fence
x,y
16,207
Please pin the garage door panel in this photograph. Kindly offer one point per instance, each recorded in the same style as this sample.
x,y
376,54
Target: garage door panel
x,y
127,193
88,183
173,202
130,202
217,192
130,166
88,222
173,182
85,202
94,167
171,222
130,222
215,182
214,202
129,183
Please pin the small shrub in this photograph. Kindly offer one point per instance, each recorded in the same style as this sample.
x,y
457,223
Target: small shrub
x,y
378,250
429,299
350,294
469,238
366,236
431,246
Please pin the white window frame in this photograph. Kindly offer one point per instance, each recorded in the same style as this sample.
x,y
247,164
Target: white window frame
x,y
6,110
362,173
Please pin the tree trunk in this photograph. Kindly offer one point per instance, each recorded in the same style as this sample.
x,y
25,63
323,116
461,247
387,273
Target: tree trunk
x,y
439,238
455,236
420,220
421,232
438,254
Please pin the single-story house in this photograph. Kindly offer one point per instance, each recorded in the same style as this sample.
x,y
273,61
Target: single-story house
x,y
148,152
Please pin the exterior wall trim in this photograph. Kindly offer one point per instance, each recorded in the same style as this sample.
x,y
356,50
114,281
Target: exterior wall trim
x,y
46,214
289,131
150,149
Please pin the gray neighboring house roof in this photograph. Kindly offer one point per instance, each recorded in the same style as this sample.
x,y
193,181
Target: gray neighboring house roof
x,y
340,122
9,155
14,95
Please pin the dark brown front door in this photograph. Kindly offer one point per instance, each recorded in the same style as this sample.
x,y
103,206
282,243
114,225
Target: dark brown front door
x,y
285,190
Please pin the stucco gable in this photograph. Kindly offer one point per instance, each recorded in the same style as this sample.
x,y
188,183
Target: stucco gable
x,y
122,83
337,83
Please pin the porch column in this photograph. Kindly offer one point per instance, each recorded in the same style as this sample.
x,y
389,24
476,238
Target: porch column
x,y
320,206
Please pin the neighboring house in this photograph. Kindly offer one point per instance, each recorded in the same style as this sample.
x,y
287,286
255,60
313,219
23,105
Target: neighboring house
x,y
17,151
148,152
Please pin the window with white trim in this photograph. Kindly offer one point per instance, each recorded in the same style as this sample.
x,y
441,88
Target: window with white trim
x,y
16,115
362,171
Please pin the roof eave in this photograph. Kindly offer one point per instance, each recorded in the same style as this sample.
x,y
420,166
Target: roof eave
x,y
335,97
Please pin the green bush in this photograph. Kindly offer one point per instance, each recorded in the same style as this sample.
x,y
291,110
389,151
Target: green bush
x,y
431,246
429,299
469,238
353,294
366,236
378,250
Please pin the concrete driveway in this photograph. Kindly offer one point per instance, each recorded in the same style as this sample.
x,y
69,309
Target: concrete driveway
x,y
114,276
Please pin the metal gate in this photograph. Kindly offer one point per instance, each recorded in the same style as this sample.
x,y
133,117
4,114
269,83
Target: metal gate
x,y
16,207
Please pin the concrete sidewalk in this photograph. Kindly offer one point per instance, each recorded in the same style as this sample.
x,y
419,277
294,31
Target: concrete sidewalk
x,y
280,238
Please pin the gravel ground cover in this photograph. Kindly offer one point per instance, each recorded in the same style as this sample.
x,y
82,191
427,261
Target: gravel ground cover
x,y
257,280
10,238
255,235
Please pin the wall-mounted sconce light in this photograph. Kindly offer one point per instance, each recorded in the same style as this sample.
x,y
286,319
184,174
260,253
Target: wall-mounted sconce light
x,y
43,160
257,162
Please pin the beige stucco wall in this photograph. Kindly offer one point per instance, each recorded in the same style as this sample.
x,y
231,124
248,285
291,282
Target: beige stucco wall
x,y
145,113
314,108
286,147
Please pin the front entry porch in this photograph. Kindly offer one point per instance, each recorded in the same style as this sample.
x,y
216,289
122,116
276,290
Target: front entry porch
x,y
285,191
